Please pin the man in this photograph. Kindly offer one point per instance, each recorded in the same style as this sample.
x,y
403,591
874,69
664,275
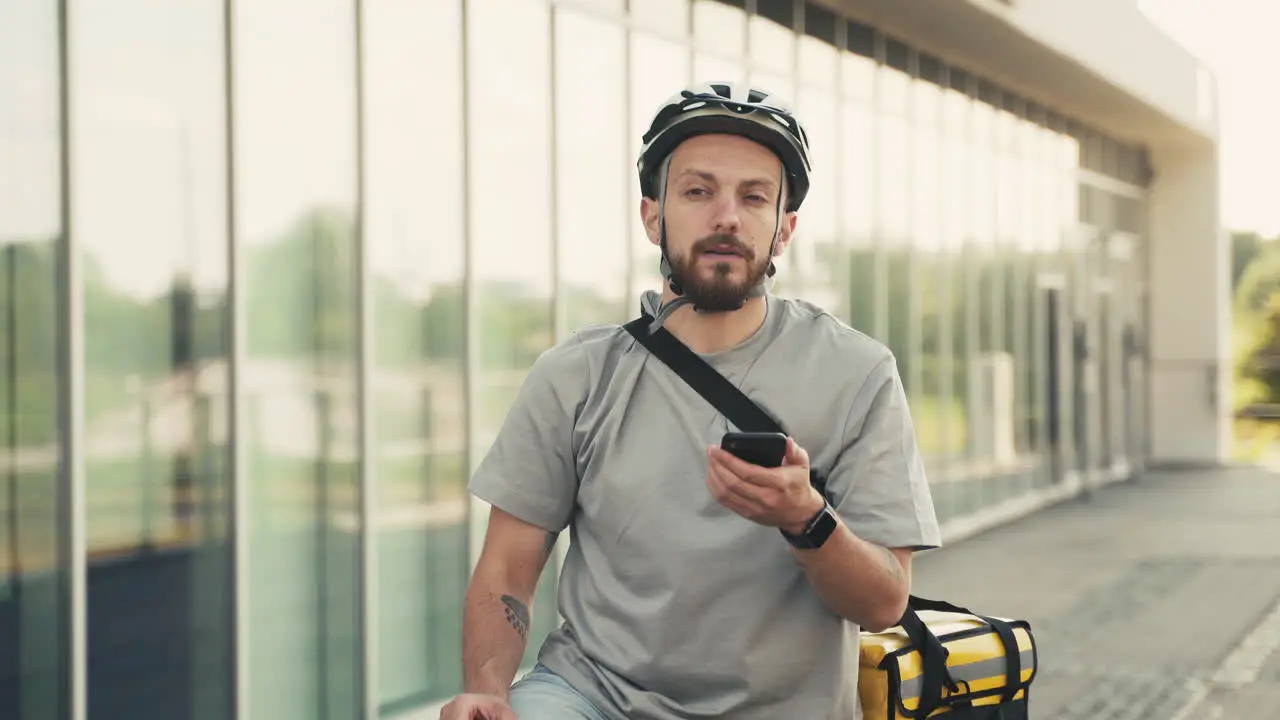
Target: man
x,y
695,584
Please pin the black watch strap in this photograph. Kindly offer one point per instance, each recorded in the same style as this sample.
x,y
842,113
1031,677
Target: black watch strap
x,y
816,531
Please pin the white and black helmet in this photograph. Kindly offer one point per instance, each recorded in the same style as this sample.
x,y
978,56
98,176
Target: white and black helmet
x,y
732,108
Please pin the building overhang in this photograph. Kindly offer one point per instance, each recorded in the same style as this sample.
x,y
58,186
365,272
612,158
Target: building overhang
x,y
1100,61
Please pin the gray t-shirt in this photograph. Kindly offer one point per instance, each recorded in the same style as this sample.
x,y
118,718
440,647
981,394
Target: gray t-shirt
x,y
674,606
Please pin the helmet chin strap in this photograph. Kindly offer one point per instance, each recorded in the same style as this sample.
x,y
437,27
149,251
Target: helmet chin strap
x,y
668,272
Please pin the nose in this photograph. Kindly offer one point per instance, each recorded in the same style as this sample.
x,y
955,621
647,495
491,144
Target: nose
x,y
727,220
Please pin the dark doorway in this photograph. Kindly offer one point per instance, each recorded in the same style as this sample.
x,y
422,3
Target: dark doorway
x,y
1052,393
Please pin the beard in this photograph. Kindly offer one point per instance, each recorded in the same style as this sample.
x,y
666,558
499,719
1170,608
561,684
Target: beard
x,y
717,291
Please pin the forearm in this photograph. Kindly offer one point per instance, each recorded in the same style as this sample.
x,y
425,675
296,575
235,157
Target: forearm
x,y
858,580
495,629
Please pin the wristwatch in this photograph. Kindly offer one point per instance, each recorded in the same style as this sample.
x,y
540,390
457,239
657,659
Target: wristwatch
x,y
816,531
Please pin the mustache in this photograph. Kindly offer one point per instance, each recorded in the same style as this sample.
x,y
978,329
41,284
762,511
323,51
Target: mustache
x,y
713,241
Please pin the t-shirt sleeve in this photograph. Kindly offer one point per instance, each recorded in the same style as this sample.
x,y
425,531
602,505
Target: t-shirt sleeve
x,y
878,484
530,471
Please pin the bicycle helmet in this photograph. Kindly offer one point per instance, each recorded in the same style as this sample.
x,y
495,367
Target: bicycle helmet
x,y
729,108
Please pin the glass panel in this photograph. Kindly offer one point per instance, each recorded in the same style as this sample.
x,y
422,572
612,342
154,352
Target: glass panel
x,y
669,16
33,670
857,76
772,41
892,89
1007,308
1033,262
1066,165
593,169
295,195
813,251
1019,311
148,95
720,27
956,211
966,494
659,69
510,150
819,63
613,6
930,408
414,236
984,364
858,188
895,240
711,68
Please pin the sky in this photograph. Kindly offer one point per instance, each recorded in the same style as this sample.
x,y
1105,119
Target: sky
x,y
1236,39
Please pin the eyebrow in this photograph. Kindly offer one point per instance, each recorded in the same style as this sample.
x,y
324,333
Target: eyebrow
x,y
753,182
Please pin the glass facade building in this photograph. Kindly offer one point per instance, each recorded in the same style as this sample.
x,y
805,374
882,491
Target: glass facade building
x,y
273,271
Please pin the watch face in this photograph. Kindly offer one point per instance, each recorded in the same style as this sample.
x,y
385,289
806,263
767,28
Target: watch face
x,y
821,528
817,532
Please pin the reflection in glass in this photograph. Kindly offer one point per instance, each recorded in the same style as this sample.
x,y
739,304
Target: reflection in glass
x,y
34,673
857,74
667,16
1018,299
592,169
659,69
954,227
295,198
894,157
720,26
858,217
1033,219
1006,281
712,68
931,410
509,146
813,255
984,365
414,239
819,63
770,37
148,89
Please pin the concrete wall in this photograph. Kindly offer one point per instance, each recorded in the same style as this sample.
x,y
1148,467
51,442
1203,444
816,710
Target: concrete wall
x,y
1190,323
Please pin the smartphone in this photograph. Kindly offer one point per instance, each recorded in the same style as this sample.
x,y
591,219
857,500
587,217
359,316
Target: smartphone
x,y
765,449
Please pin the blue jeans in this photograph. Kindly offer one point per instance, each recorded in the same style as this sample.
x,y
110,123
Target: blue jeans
x,y
543,695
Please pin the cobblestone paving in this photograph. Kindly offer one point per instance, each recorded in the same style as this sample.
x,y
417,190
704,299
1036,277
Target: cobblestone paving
x,y
1137,596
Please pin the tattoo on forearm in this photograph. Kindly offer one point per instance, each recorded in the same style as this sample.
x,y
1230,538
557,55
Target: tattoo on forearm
x,y
517,615
892,565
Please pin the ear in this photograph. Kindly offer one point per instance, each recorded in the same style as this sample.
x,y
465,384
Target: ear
x,y
651,217
784,236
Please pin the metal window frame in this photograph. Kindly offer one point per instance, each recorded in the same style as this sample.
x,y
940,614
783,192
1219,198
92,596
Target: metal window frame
x,y
72,549
367,493
236,405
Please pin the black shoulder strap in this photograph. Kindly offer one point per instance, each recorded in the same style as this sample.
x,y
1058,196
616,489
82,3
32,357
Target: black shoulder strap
x,y
706,380
711,385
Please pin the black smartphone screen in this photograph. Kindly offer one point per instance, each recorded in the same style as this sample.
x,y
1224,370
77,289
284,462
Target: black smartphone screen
x,y
763,449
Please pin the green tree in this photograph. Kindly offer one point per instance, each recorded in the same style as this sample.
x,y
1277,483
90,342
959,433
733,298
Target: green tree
x,y
1245,246
301,290
1259,281
1260,361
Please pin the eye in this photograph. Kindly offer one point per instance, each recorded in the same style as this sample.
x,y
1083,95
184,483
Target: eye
x,y
757,198
695,192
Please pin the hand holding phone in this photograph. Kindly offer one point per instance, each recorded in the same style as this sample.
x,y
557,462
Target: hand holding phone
x,y
765,449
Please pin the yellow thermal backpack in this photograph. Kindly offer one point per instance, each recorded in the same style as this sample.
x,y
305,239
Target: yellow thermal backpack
x,y
943,661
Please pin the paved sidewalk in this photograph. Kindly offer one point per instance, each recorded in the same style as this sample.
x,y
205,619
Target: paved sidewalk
x,y
1157,599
